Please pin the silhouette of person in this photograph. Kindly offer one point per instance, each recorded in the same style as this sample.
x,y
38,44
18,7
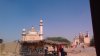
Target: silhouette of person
x,y
46,51
63,53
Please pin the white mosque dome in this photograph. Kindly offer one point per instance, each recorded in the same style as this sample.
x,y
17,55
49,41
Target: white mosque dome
x,y
30,32
23,29
33,31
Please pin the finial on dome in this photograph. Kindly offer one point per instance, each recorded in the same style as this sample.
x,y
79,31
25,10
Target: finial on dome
x,y
41,19
32,27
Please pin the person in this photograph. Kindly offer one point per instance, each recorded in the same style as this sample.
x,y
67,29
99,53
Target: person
x,y
63,53
46,51
54,51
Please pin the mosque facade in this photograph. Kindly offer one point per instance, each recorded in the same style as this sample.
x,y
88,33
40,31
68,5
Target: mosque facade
x,y
81,40
32,34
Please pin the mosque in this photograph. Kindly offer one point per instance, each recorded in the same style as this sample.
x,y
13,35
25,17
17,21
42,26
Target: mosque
x,y
32,34
33,44
81,40
32,41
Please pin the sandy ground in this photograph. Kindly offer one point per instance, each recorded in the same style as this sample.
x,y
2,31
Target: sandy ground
x,y
89,51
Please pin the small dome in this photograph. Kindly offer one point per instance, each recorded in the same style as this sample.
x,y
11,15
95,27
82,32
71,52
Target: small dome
x,y
33,29
23,29
41,19
32,32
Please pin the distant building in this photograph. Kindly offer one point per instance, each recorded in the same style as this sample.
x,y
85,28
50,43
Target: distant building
x,y
82,40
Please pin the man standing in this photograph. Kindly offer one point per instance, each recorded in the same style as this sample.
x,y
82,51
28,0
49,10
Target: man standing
x,y
46,51
63,53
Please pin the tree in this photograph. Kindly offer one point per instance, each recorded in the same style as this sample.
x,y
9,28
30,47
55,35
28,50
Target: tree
x,y
59,39
1,40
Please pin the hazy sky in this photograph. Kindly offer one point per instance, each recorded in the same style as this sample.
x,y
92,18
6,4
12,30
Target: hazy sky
x,y
64,18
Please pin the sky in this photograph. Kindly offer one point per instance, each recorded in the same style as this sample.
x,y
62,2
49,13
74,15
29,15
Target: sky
x,y
65,18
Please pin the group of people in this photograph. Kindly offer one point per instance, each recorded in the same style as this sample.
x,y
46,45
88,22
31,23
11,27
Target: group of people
x,y
60,51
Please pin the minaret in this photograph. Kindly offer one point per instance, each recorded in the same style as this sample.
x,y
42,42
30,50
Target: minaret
x,y
23,34
87,39
41,28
